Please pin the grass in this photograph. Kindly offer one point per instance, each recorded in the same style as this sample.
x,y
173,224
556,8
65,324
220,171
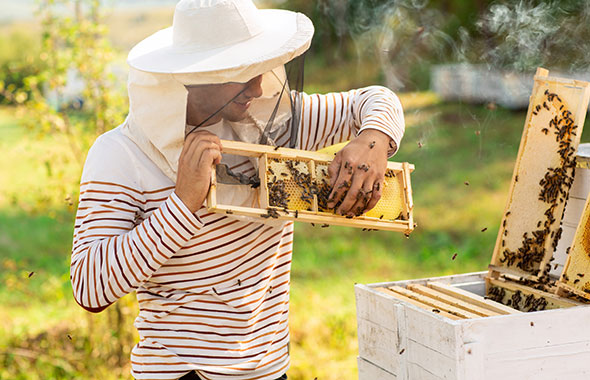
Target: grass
x,y
464,157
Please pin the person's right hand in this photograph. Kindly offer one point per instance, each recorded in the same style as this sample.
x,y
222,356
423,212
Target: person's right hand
x,y
201,150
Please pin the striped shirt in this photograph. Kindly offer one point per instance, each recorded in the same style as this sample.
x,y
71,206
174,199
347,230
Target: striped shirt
x,y
213,290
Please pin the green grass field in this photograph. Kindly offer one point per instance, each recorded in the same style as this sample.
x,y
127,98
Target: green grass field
x,y
464,157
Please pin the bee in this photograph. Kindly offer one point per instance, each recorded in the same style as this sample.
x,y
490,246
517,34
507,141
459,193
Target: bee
x,y
403,349
277,147
454,256
229,212
372,145
239,282
484,229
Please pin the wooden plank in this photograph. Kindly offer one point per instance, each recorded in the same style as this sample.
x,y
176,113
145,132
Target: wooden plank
x,y
567,362
526,331
456,302
263,188
433,303
379,345
434,364
420,304
254,150
375,307
370,371
310,217
472,298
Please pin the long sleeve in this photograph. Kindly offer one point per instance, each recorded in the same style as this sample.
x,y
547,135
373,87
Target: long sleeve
x,y
335,117
123,233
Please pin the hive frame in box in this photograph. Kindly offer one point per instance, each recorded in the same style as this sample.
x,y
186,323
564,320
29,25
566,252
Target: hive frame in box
x,y
522,213
264,153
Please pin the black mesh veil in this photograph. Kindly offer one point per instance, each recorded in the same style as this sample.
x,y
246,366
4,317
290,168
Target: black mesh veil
x,y
270,117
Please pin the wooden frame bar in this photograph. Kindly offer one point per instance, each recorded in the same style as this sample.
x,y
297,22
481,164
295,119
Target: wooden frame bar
x,y
264,153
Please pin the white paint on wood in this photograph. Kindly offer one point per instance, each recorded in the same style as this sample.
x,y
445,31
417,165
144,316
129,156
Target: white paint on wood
x,y
419,372
581,186
379,345
439,334
562,362
567,238
433,361
369,371
371,306
575,206
515,332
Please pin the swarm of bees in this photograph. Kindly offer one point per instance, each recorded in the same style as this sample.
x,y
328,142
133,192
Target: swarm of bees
x,y
554,189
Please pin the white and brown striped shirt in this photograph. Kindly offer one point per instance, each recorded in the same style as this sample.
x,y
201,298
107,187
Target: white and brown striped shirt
x,y
213,290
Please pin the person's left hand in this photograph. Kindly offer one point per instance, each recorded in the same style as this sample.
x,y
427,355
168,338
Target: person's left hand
x,y
357,173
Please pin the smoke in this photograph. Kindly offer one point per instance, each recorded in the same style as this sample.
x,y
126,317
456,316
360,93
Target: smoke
x,y
519,35
398,34
524,35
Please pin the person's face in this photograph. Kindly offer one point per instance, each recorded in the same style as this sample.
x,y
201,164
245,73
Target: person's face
x,y
205,100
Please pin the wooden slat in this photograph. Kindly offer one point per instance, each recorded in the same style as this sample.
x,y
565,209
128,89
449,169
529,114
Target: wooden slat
x,y
434,303
456,302
472,298
417,303
559,301
262,173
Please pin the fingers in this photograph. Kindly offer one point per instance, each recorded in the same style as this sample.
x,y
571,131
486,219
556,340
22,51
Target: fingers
x,y
377,190
341,182
357,188
334,169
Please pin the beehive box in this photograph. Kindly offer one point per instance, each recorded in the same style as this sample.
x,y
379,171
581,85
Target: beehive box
x,y
452,327
295,185
403,340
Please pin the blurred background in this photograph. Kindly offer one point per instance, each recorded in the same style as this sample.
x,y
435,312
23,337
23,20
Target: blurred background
x,y
462,68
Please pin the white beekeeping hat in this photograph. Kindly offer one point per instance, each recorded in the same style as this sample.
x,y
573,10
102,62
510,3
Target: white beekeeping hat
x,y
224,40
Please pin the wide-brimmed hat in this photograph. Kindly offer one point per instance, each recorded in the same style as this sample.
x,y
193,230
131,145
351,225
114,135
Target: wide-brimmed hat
x,y
224,38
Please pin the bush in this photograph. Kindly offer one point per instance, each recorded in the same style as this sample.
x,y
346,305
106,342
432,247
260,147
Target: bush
x,y
20,52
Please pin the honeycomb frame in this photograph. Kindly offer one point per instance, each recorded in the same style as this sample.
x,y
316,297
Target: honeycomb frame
x,y
277,179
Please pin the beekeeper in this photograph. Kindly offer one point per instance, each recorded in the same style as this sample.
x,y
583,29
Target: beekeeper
x,y
213,289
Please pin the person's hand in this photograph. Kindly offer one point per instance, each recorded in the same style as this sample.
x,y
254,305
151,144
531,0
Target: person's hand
x,y
201,150
357,173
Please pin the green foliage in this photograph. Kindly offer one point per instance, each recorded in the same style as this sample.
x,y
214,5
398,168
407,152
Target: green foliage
x,y
74,44
19,59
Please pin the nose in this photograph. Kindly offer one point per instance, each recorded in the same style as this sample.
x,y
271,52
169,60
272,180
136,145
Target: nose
x,y
254,87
